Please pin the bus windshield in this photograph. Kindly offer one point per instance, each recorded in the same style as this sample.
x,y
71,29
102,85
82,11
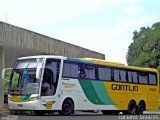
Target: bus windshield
x,y
23,77
23,82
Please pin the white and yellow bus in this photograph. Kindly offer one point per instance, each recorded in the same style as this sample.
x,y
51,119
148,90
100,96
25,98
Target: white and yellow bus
x,y
55,83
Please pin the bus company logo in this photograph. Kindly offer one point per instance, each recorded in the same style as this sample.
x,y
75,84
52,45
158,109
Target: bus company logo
x,y
124,87
69,85
48,105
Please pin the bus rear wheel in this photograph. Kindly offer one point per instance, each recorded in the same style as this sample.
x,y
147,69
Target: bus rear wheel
x,y
140,108
132,108
67,107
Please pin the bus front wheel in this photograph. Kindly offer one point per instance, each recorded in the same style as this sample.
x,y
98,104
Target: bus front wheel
x,y
67,107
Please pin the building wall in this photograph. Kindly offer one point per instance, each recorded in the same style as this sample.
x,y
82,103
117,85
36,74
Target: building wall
x,y
18,37
1,81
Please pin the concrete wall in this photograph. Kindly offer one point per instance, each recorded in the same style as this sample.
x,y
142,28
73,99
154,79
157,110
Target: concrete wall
x,y
15,36
1,81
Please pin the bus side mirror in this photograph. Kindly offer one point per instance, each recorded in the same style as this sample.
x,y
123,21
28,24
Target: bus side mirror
x,y
6,72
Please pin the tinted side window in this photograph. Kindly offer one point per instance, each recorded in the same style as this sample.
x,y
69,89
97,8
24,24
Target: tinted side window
x,y
123,75
74,70
89,71
104,73
120,75
130,77
66,70
70,69
152,79
135,77
116,75
143,78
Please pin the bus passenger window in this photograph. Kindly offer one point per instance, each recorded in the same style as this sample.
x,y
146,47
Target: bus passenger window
x,y
70,70
123,76
74,70
143,78
104,73
152,79
83,74
130,77
135,77
116,75
66,70
89,70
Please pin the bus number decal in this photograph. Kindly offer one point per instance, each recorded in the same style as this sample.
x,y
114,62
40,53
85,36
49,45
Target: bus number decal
x,y
48,105
152,89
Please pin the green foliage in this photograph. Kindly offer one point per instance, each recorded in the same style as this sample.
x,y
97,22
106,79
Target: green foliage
x,y
144,51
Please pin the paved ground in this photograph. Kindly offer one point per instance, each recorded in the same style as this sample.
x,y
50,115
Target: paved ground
x,y
81,116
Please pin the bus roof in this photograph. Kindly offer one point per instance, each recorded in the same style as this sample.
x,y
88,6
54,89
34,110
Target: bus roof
x,y
119,65
42,56
104,61
95,61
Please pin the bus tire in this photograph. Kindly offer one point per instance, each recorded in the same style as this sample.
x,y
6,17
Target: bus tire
x,y
67,107
141,107
132,108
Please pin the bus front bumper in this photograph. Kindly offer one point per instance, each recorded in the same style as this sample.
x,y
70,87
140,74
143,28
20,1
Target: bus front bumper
x,y
29,105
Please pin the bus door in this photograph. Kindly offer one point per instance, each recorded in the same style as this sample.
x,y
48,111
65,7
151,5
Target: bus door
x,y
49,83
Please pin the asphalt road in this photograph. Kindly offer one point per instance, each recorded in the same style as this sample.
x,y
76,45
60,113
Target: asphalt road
x,y
82,116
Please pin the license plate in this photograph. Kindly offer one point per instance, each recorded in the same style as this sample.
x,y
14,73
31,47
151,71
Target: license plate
x,y
20,105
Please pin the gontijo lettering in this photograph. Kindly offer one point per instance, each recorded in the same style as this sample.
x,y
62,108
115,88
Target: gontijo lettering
x,y
124,87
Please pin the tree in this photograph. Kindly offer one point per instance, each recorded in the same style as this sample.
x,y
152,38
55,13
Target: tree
x,y
144,51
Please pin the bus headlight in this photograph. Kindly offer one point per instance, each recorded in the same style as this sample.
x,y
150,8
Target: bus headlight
x,y
34,98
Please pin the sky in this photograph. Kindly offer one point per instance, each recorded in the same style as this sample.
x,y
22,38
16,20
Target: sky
x,y
105,26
